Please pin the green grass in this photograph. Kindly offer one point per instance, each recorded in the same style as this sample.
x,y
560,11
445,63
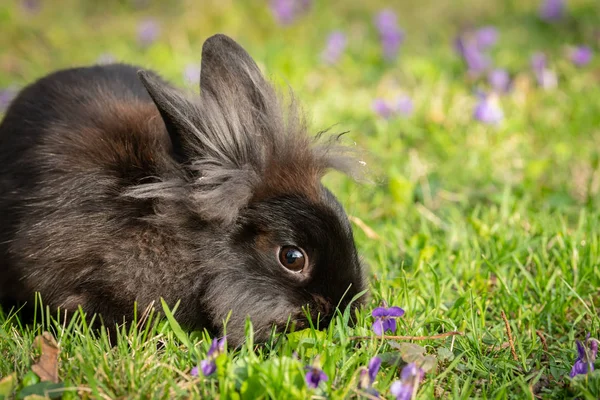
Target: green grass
x,y
472,220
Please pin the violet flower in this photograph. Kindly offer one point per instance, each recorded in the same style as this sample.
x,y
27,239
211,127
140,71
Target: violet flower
x,y
477,61
538,61
208,366
286,11
488,110
545,77
31,6
385,319
390,34
586,356
382,108
409,381
499,80
148,31
581,56
552,10
404,105
374,365
314,376
368,375
336,44
486,37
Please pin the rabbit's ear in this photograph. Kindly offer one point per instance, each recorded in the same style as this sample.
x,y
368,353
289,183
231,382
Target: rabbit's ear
x,y
173,107
228,70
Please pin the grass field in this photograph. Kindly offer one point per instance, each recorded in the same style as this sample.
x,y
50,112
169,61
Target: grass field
x,y
463,220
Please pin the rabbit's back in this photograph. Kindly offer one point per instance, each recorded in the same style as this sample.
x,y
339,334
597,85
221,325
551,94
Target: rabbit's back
x,y
70,144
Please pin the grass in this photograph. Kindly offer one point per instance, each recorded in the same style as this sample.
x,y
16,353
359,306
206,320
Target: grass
x,y
471,220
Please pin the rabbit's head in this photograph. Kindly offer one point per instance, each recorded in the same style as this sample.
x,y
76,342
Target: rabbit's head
x,y
249,174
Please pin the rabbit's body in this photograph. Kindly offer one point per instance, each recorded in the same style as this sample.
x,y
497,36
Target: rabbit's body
x,y
70,146
116,189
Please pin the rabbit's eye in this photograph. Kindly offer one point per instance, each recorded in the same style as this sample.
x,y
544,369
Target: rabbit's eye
x,y
292,258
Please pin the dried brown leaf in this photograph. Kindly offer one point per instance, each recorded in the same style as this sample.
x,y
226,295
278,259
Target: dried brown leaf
x,y
47,366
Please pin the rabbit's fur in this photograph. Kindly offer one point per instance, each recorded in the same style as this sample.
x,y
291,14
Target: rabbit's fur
x,y
116,188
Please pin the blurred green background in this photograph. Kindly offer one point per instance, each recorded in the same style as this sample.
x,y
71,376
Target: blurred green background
x,y
544,149
466,214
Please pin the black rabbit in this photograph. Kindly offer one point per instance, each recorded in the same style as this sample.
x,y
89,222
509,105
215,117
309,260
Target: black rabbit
x,y
116,188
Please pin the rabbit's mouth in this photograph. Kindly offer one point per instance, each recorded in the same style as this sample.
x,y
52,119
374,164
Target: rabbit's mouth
x,y
320,310
316,313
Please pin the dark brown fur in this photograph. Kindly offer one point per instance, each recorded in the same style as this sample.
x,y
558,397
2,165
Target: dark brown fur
x,y
117,190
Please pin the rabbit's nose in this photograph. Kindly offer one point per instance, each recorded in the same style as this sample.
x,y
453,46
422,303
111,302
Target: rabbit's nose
x,y
323,305
322,310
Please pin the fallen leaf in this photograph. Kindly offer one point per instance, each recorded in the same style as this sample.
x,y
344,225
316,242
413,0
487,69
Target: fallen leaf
x,y
47,366
408,349
428,363
445,354
390,359
413,353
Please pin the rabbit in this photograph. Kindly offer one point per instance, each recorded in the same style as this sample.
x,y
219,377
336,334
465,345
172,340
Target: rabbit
x,y
120,189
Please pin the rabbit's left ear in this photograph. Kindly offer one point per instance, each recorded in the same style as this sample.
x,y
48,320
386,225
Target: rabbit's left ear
x,y
228,72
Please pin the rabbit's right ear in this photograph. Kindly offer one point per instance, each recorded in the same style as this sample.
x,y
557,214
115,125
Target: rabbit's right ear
x,y
174,109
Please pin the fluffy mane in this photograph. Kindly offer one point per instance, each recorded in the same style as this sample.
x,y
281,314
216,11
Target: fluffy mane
x,y
239,140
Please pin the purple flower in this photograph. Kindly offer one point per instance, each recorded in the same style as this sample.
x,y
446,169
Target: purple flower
x,y
286,11
386,21
409,381
404,105
486,37
545,77
208,366
552,10
581,55
6,97
373,369
538,61
390,34
385,319
586,356
477,61
314,376
499,80
382,108
217,346
336,44
31,6
401,391
148,31
368,375
191,73
488,110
